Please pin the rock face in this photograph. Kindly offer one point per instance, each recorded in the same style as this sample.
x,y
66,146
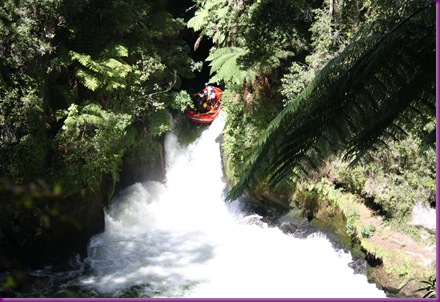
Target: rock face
x,y
396,285
83,216
424,217
139,170
48,230
75,221
51,230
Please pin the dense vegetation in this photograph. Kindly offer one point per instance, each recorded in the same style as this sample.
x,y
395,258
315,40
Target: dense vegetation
x,y
325,95
77,78
85,86
329,64
341,90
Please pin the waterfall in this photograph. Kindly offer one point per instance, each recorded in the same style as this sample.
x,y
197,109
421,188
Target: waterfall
x,y
180,239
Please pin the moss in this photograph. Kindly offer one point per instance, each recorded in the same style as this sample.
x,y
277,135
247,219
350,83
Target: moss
x,y
401,267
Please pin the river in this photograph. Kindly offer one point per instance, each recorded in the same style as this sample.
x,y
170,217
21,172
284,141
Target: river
x,y
181,239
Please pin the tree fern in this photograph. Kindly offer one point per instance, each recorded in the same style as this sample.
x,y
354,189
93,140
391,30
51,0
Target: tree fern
x,y
198,21
215,19
86,119
88,79
107,72
360,97
208,10
226,67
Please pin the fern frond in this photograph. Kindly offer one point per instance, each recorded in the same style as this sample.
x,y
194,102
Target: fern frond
x,y
89,119
224,62
214,4
107,72
116,69
199,20
117,51
341,110
88,80
83,59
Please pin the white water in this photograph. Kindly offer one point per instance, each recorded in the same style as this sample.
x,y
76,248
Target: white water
x,y
180,239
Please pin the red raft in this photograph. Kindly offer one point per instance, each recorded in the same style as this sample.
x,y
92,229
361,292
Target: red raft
x,y
207,105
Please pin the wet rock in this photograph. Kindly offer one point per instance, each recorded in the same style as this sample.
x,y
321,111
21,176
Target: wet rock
x,y
253,219
53,228
140,169
359,266
372,260
395,286
288,228
296,226
288,224
424,217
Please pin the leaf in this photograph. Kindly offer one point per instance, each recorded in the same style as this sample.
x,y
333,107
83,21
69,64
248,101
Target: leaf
x,y
329,115
109,72
88,80
198,21
224,63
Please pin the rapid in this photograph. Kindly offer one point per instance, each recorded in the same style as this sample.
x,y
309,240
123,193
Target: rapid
x,y
181,239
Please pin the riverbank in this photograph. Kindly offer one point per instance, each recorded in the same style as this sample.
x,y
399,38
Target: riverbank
x,y
400,262
397,262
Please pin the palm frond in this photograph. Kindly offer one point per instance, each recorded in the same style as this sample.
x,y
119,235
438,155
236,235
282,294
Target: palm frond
x,y
351,104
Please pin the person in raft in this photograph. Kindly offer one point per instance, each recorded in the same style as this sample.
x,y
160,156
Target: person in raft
x,y
208,98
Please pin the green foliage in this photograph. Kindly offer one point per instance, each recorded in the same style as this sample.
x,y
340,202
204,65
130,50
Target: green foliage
x,y
27,158
160,122
107,57
275,31
327,40
251,38
224,62
181,101
245,121
395,177
26,28
215,19
352,219
107,72
331,30
430,288
143,94
23,139
92,143
384,9
295,81
239,133
351,103
225,23
202,16
367,231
